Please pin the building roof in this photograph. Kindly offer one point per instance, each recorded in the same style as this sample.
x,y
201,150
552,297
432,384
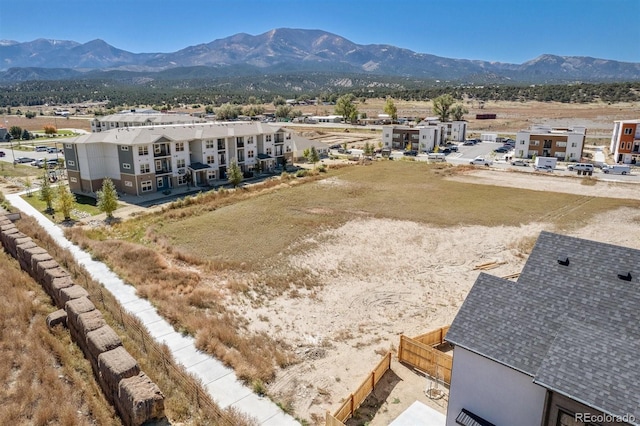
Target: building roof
x,y
153,117
177,132
573,327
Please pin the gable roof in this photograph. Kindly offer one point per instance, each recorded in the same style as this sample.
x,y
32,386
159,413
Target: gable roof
x,y
573,328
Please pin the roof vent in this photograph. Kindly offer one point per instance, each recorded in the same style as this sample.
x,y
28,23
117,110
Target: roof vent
x,y
625,277
563,260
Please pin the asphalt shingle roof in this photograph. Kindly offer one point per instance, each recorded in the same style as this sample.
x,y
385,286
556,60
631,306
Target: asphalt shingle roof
x,y
573,328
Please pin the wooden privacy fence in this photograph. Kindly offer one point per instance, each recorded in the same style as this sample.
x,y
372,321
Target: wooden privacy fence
x,y
354,400
420,353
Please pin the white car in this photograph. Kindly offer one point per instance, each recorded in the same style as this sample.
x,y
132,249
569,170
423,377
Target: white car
x,y
481,161
520,163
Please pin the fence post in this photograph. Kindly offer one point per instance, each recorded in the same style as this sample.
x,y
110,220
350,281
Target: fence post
x,y
373,380
400,348
351,409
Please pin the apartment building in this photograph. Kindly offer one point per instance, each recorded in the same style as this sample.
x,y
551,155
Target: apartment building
x,y
566,144
141,117
157,158
425,136
557,347
625,141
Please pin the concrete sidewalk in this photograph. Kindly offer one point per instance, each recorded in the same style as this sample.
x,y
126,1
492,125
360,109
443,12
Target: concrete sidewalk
x,y
220,381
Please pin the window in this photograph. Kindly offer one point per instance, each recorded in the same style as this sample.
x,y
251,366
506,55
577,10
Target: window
x,y
124,148
240,142
240,155
159,182
250,153
128,183
182,179
628,130
574,145
180,163
547,143
73,179
209,144
220,144
179,146
386,135
267,138
157,149
250,139
210,159
561,144
269,152
71,163
222,159
68,146
126,166
534,143
143,150
424,136
145,168
146,186
211,174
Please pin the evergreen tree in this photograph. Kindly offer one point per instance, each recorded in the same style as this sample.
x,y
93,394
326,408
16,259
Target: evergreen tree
x,y
234,174
65,201
46,192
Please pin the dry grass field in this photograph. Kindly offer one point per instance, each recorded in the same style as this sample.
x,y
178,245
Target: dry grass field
x,y
289,283
49,382
302,284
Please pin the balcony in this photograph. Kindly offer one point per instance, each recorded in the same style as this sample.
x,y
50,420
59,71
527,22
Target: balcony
x,y
161,151
163,170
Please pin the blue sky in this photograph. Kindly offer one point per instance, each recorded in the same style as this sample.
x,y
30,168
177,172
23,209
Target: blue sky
x,y
494,30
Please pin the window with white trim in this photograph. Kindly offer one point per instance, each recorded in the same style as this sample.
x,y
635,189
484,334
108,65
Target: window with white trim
x,y
269,152
68,146
208,143
211,174
179,146
73,179
250,153
145,168
128,183
561,144
211,159
146,186
180,163
124,148
126,166
182,179
159,182
143,150
267,138
71,163
628,130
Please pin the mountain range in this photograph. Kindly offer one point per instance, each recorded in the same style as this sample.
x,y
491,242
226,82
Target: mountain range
x,y
287,51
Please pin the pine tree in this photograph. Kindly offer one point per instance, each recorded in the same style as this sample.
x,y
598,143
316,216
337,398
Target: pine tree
x,y
234,174
65,202
46,193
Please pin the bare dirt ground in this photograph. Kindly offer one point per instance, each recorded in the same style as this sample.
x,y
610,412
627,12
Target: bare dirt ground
x,y
384,278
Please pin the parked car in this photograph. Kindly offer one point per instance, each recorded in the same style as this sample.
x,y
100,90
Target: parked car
x,y
41,148
585,167
38,162
617,169
510,142
445,151
52,150
547,169
520,163
454,148
23,160
52,164
469,142
335,146
411,153
481,161
501,150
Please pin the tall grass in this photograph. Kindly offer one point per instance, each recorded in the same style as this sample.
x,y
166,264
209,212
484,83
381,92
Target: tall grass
x,y
185,399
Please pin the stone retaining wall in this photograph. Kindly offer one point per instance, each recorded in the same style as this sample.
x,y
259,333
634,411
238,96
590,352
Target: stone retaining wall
x,y
136,398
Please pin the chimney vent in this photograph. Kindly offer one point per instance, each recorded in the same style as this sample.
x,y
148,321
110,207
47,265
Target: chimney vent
x,y
625,277
563,260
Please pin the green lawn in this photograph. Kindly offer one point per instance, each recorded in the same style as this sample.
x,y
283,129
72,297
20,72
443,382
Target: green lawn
x,y
83,204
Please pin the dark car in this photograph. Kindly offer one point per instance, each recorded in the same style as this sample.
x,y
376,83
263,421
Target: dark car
x,y
23,160
469,142
502,149
445,151
411,153
454,148
336,146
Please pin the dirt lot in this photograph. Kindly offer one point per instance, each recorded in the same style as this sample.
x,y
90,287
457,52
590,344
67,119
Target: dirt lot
x,y
382,277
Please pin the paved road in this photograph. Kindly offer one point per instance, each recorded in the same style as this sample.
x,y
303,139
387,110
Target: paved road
x,y
220,381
